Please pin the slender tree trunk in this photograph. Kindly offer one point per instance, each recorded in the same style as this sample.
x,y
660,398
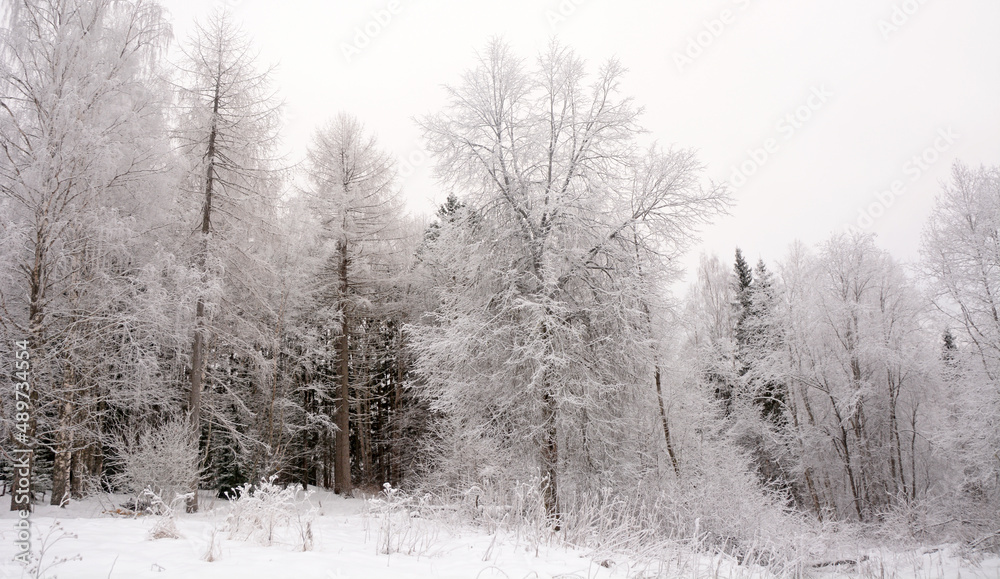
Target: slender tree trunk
x,y
913,454
276,376
842,444
97,460
304,442
78,470
327,460
63,449
197,348
550,413
25,447
342,443
62,460
550,456
362,405
656,376
395,460
852,479
96,455
896,469
87,412
666,425
799,434
807,474
897,440
363,426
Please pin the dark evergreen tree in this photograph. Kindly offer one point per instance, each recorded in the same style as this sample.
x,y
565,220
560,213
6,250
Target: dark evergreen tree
x,y
759,395
951,371
727,386
950,347
448,212
743,280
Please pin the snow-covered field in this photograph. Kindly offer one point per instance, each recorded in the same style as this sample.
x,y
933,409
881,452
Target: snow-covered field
x,y
349,540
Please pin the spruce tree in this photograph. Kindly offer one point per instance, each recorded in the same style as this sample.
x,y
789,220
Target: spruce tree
x,y
764,340
743,281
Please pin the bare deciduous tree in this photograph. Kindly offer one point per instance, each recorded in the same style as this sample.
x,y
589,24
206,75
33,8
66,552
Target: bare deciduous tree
x,y
572,218
228,129
75,125
961,256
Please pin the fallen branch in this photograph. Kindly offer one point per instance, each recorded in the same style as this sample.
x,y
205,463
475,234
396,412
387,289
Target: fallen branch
x,y
838,563
994,535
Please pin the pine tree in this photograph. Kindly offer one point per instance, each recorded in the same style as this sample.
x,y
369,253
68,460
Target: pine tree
x,y
762,390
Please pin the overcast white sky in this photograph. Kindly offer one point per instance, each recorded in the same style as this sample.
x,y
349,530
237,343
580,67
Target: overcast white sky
x,y
874,83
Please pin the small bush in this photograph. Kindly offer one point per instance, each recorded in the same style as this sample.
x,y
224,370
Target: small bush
x,y
166,526
258,512
161,460
402,527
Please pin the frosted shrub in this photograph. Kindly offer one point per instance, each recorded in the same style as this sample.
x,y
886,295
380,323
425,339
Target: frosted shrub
x,y
402,524
258,512
166,526
161,460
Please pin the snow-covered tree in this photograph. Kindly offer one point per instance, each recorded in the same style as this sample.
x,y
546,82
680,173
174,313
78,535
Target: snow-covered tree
x,y
855,344
354,197
78,119
757,405
961,251
961,256
227,129
540,341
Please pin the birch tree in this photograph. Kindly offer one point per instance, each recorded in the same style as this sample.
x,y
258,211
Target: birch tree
x,y
543,318
76,119
855,344
960,253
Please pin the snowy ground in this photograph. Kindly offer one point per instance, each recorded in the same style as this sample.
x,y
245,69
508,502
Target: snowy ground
x,y
349,542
